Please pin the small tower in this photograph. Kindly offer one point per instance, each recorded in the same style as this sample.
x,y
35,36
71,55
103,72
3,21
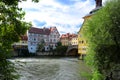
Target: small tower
x,y
98,6
98,3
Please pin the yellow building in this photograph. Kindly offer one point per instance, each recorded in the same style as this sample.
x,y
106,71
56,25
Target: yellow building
x,y
65,39
74,40
82,42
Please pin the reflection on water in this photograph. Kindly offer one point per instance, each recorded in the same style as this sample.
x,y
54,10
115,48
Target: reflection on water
x,y
48,69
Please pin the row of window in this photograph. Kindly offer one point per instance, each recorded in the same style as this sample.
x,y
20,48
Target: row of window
x,y
65,43
75,38
74,42
39,35
81,42
52,40
54,36
84,49
46,40
38,39
32,34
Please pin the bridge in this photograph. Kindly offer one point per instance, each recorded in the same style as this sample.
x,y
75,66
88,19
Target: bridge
x,y
72,50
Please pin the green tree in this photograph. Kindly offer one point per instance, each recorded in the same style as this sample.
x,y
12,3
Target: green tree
x,y
12,27
59,44
61,50
56,50
41,45
102,32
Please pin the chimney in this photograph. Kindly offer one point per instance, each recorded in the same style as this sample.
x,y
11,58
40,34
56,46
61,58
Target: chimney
x,y
98,3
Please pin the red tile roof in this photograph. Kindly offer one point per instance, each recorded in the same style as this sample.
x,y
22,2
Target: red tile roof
x,y
44,31
24,37
68,36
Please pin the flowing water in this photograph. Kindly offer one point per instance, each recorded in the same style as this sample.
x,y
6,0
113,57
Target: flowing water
x,y
49,68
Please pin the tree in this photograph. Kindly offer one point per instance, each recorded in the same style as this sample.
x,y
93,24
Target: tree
x,y
41,45
59,44
102,32
12,27
61,50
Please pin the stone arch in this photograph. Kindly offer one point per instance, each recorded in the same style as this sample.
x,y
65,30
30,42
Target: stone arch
x,y
72,52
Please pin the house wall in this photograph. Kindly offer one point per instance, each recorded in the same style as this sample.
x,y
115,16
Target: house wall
x,y
74,41
54,37
65,41
50,39
33,40
82,43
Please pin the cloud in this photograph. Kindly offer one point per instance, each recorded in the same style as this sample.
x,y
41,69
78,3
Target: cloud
x,y
39,23
66,15
66,2
31,10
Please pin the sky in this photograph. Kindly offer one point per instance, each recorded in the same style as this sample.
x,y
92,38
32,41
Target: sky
x,y
66,15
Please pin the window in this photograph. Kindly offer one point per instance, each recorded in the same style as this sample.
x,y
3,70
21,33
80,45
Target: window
x,y
50,40
41,35
46,40
82,41
83,48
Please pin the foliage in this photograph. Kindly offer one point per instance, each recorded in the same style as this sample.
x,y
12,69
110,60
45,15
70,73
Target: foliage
x,y
59,44
61,50
6,73
12,27
102,32
97,76
41,45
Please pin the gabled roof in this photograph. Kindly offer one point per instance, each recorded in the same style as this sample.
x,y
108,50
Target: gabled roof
x,y
68,35
52,29
44,31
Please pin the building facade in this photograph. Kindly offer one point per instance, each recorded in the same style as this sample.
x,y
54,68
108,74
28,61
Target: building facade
x,y
47,36
22,43
74,40
54,37
66,39
82,42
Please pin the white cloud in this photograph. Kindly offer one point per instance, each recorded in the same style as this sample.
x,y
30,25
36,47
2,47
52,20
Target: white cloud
x,y
65,17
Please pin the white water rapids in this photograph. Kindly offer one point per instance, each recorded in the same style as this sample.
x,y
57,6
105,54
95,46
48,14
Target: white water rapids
x,y
48,68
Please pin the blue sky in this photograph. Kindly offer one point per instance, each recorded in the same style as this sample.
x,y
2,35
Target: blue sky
x,y
66,15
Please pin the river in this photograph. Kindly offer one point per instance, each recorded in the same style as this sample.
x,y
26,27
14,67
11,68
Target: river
x,y
49,68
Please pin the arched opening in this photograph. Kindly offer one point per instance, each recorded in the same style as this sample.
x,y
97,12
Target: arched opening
x,y
73,52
